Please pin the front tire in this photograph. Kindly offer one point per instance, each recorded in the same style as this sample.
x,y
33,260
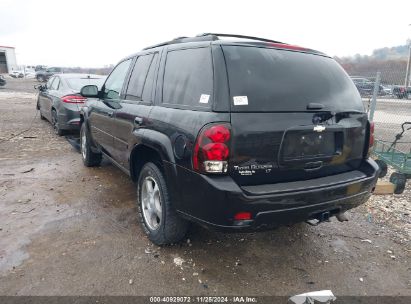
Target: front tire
x,y
90,158
158,218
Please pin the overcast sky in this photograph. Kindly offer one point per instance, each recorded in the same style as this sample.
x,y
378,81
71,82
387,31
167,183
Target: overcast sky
x,y
97,33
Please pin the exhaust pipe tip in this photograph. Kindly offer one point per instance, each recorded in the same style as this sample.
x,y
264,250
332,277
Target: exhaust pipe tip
x,y
342,217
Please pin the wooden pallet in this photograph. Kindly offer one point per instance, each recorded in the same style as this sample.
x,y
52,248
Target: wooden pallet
x,y
384,187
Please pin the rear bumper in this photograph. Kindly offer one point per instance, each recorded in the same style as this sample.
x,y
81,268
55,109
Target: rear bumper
x,y
213,201
69,118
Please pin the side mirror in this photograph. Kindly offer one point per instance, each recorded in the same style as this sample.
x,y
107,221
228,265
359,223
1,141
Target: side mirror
x,y
89,91
40,87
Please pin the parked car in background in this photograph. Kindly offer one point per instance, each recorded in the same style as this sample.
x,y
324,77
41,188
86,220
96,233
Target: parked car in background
x,y
2,81
29,73
40,68
387,89
44,75
234,135
402,92
360,80
16,74
366,87
59,100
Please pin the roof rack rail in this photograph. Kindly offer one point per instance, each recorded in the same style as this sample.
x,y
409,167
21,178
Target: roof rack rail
x,y
239,36
208,37
184,39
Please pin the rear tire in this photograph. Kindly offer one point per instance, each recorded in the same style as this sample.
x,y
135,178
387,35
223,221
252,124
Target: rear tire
x,y
90,158
399,180
55,123
39,109
383,167
157,216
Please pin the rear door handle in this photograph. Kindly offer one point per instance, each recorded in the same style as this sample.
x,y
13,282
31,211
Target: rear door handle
x,y
138,121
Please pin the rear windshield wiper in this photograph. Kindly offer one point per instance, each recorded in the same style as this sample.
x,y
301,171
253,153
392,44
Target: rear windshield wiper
x,y
344,114
325,115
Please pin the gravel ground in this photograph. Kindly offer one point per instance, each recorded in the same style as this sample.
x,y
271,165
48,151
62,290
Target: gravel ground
x,y
392,211
70,230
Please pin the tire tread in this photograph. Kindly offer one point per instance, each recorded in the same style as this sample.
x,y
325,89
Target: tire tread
x,y
173,228
92,159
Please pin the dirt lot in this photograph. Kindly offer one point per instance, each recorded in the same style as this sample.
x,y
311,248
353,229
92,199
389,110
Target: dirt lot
x,y
70,230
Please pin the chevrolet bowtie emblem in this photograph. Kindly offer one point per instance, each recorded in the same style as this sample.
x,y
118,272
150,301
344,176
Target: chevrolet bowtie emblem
x,y
319,128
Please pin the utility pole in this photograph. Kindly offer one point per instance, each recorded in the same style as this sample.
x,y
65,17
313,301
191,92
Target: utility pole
x,y
374,96
407,75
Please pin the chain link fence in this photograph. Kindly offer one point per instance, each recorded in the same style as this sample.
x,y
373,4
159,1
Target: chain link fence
x,y
392,103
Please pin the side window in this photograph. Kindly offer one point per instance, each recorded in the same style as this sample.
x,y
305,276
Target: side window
x,y
49,82
149,85
61,85
56,83
138,77
114,82
188,77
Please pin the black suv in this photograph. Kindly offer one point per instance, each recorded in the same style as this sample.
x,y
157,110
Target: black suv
x,y
44,75
238,135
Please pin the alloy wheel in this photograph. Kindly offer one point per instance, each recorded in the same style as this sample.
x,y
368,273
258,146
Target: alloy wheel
x,y
151,203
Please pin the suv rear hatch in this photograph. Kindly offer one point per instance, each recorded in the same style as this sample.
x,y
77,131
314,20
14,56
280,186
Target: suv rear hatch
x,y
295,116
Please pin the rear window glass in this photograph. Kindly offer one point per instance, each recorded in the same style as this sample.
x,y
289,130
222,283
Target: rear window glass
x,y
188,78
264,79
138,77
78,83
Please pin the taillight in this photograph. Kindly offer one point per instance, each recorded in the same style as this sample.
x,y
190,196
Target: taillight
x,y
73,99
242,216
211,150
372,127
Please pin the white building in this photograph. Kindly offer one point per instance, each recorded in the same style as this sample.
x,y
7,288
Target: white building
x,y
8,60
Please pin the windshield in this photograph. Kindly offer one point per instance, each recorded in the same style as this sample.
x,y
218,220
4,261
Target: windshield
x,y
77,83
264,79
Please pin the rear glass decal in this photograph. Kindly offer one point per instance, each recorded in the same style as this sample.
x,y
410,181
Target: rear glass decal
x,y
240,100
204,98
